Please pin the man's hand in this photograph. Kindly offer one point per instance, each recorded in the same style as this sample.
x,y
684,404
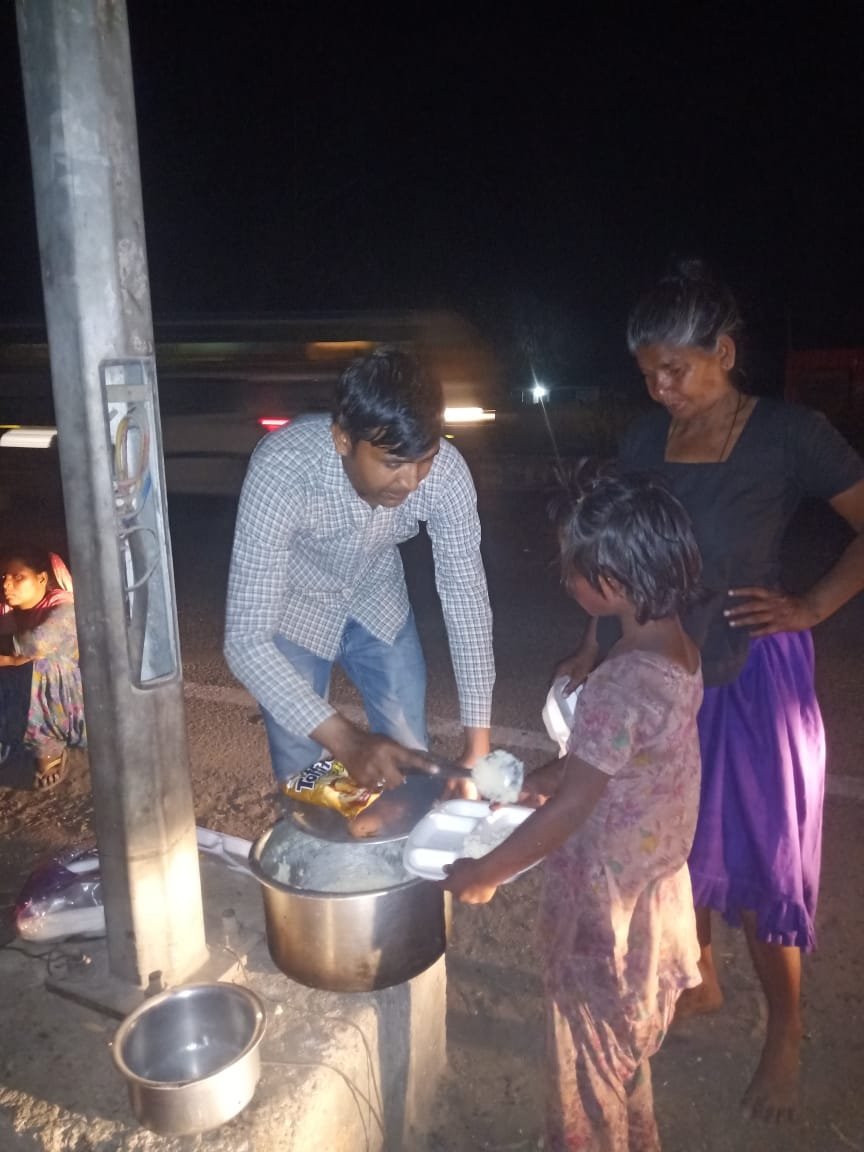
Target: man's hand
x,y
477,745
466,880
374,761
767,610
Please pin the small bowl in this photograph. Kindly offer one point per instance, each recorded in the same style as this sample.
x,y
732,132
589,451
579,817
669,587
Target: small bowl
x,y
190,1056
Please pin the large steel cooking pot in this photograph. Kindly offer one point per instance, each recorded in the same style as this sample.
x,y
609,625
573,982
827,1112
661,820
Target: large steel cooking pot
x,y
350,941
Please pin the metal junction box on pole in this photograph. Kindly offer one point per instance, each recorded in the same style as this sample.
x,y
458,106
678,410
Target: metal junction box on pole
x,y
83,143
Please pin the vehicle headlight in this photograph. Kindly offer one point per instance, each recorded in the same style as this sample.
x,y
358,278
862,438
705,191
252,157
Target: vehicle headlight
x,y
28,438
467,415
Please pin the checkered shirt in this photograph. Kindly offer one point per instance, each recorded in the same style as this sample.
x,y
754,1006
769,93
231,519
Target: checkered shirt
x,y
309,554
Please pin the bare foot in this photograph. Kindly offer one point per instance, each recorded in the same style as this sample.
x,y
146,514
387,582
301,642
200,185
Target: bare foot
x,y
50,771
704,998
699,1001
774,1091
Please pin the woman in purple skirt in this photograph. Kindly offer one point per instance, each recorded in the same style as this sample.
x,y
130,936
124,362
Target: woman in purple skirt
x,y
740,465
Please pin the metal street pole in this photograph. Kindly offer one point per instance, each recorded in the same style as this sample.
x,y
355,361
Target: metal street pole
x,y
83,144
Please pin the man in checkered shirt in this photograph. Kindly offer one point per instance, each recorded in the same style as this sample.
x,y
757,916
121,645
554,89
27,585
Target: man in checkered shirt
x,y
316,575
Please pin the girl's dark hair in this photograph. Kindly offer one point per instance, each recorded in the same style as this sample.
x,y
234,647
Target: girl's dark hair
x,y
688,308
630,529
390,400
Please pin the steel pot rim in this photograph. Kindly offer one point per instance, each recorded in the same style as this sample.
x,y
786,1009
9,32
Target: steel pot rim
x,y
313,893
172,1086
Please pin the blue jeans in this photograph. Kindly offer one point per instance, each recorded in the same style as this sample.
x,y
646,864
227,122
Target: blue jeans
x,y
391,679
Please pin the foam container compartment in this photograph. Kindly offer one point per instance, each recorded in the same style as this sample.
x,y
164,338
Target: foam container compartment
x,y
439,838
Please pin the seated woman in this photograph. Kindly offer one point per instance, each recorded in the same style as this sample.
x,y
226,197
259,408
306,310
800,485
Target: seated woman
x,y
41,699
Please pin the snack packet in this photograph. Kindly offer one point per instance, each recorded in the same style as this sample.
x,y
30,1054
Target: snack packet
x,y
328,785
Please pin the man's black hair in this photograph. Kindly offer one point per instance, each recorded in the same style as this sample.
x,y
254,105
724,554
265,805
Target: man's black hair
x,y
390,399
628,528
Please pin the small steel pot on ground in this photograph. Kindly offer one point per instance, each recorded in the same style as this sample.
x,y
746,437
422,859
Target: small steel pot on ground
x,y
190,1056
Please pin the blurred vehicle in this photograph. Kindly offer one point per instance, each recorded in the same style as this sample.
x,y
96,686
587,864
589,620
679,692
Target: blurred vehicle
x,y
225,383
832,381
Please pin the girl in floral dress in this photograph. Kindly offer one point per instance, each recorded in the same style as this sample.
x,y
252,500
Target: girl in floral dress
x,y
41,699
615,819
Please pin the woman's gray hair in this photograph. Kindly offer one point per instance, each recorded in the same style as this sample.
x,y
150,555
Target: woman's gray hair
x,y
687,309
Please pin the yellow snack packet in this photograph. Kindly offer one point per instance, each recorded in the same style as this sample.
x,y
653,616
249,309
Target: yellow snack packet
x,y
327,784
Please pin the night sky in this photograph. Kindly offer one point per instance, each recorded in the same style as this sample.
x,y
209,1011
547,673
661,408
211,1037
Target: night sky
x,y
529,169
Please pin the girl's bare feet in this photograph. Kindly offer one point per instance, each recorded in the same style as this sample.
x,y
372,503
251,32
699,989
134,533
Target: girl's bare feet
x,y
705,997
699,1001
774,1091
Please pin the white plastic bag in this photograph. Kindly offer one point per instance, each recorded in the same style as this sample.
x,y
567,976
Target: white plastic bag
x,y
63,896
558,712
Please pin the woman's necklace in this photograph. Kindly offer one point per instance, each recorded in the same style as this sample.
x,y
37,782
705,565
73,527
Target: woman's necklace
x,y
738,403
674,431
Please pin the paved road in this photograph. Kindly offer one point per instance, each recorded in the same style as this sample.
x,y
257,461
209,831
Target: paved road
x,y
535,624
494,1008
493,1096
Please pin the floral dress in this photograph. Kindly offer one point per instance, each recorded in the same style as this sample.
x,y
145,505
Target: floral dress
x,y
617,926
42,703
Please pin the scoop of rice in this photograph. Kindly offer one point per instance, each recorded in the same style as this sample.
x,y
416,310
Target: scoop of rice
x,y
499,777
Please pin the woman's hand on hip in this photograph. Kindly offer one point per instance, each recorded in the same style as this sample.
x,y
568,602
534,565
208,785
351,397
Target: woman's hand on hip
x,y
766,610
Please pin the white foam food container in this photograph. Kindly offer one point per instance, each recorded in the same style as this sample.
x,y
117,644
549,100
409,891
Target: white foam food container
x,y
439,838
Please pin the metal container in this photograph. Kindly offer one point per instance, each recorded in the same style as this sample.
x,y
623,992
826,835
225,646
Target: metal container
x,y
350,941
190,1056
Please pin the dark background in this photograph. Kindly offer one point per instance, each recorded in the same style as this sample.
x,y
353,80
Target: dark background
x,y
532,169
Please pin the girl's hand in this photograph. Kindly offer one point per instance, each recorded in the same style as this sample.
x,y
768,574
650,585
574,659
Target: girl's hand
x,y
576,668
466,881
768,610
541,783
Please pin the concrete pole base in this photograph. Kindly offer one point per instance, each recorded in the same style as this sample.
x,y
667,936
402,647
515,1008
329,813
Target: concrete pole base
x,y
345,1072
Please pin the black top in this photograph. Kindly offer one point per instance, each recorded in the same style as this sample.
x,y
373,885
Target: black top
x,y
741,508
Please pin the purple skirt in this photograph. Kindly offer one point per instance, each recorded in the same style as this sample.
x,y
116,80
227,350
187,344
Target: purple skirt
x,y
758,840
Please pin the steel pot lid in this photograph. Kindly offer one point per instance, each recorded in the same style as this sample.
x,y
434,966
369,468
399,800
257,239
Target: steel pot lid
x,y
391,817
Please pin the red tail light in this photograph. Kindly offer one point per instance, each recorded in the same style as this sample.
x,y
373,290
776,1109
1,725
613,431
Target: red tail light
x,y
271,423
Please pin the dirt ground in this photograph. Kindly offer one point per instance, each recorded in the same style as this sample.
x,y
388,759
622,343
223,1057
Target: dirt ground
x,y
492,1096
